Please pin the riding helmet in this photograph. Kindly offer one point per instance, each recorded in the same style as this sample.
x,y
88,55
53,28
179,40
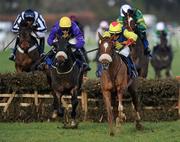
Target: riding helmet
x,y
29,15
124,9
65,22
115,27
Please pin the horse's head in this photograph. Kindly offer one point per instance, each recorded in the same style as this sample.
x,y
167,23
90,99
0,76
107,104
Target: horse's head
x,y
105,51
25,37
129,23
63,51
163,39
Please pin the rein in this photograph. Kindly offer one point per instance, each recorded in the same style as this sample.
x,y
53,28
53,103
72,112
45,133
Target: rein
x,y
29,50
69,71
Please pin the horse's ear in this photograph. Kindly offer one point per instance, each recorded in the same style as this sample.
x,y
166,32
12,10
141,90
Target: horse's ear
x,y
100,36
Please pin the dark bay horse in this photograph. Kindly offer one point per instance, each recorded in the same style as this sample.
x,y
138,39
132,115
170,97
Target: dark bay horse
x,y
27,50
114,78
140,60
66,78
162,57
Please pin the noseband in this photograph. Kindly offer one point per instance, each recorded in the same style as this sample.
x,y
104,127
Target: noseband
x,y
106,58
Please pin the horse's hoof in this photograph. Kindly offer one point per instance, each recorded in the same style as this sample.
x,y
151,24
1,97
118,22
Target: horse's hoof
x,y
111,133
54,115
65,126
118,122
123,116
74,124
139,126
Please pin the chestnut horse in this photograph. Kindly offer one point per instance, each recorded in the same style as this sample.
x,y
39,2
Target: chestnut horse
x,y
114,78
27,50
140,60
66,78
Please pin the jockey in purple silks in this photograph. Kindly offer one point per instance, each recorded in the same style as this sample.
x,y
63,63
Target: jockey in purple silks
x,y
68,29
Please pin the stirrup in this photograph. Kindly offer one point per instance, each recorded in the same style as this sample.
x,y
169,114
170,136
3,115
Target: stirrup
x,y
42,54
86,68
12,58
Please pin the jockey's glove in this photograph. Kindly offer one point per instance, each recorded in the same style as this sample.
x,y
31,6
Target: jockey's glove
x,y
129,42
118,45
71,45
54,44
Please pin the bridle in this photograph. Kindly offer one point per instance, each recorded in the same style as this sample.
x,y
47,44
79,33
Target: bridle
x,y
25,40
106,58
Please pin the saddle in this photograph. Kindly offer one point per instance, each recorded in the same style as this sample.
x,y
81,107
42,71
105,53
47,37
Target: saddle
x,y
125,60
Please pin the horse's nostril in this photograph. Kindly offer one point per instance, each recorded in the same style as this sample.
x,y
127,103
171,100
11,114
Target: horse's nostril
x,y
105,64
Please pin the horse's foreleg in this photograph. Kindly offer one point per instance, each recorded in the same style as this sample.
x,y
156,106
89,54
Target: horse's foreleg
x,y
18,68
55,105
158,74
169,73
107,100
74,102
121,116
58,104
135,105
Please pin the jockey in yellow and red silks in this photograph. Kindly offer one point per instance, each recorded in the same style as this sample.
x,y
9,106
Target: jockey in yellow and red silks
x,y
122,40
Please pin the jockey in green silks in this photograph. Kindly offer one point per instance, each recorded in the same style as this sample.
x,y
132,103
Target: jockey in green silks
x,y
127,11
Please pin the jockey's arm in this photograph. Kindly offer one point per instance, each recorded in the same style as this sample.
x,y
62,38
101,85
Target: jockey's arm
x,y
78,36
141,25
40,24
52,34
16,24
130,35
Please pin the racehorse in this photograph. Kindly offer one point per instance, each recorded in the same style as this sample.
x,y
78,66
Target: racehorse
x,y
162,57
66,78
114,78
140,60
27,50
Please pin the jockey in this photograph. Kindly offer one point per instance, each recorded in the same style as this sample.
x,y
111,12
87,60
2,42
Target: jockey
x,y
161,29
123,38
136,14
66,28
34,20
103,26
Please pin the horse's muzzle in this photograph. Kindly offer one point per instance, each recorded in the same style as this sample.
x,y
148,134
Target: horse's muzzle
x,y
105,65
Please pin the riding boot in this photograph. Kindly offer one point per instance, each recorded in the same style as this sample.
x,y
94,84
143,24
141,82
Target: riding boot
x,y
12,56
50,57
147,51
99,70
134,72
84,62
41,47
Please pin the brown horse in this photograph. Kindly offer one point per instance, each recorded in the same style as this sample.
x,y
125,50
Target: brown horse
x,y
162,57
66,78
137,51
114,78
27,50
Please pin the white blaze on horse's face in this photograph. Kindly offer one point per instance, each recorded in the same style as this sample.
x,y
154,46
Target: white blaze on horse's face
x,y
105,56
106,45
130,19
61,54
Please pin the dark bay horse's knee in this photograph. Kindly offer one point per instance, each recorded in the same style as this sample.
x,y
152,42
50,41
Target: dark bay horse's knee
x,y
57,105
